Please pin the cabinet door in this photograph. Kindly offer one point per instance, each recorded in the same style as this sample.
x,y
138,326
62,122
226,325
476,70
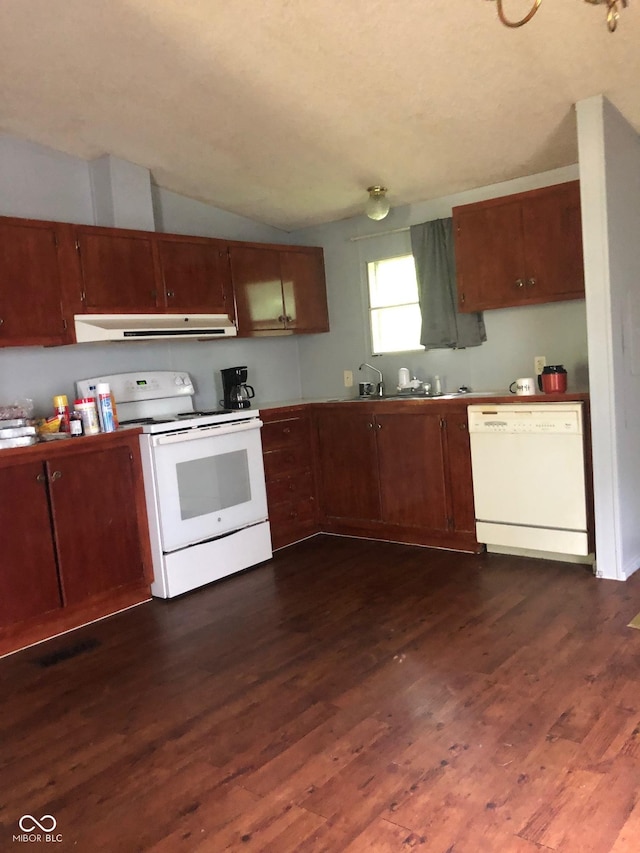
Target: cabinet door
x,y
459,467
118,270
30,296
305,291
97,535
412,474
28,577
257,287
195,275
553,244
348,464
489,255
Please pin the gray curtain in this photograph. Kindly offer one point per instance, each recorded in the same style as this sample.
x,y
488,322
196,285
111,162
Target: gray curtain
x,y
442,325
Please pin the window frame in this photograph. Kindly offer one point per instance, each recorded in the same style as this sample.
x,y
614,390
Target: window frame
x,y
399,254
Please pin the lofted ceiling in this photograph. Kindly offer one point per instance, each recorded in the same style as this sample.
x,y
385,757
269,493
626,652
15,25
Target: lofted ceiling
x,y
285,111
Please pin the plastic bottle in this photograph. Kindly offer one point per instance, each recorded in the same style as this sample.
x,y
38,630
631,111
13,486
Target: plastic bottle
x,y
105,409
86,406
61,408
93,390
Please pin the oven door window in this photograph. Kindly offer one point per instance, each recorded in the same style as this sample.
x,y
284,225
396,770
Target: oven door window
x,y
213,483
206,487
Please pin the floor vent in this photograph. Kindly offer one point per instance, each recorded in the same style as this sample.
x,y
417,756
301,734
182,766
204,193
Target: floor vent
x,y
67,652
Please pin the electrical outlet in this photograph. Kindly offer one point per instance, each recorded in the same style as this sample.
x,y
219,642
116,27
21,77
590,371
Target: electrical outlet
x,y
348,379
538,363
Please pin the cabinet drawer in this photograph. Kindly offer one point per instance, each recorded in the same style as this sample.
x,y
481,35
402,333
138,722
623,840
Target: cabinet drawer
x,y
290,514
285,460
285,433
296,488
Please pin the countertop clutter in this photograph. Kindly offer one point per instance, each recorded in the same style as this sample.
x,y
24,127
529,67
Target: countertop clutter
x,y
89,416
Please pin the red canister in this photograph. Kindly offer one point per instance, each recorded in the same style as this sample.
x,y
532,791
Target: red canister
x,y
554,379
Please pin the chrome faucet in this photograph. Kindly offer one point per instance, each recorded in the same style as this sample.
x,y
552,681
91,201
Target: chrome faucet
x,y
380,385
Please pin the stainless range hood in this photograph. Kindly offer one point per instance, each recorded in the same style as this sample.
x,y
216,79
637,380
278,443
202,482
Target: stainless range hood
x,y
152,327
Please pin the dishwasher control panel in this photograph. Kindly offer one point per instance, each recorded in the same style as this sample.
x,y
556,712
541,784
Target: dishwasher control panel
x,y
549,418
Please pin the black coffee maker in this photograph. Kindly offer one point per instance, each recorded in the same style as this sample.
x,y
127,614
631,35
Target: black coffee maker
x,y
237,394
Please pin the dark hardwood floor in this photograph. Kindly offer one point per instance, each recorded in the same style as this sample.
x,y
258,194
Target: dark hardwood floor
x,y
347,696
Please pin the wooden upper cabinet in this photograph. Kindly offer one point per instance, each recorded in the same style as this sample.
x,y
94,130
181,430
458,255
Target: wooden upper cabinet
x,y
52,271
304,290
520,250
279,290
257,288
31,311
118,270
552,227
195,274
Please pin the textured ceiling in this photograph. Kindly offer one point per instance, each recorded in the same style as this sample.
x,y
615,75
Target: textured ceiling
x,y
284,111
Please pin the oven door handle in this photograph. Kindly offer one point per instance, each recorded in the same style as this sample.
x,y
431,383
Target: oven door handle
x,y
198,433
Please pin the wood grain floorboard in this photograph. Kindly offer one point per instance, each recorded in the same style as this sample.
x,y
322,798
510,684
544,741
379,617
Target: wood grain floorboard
x,y
347,696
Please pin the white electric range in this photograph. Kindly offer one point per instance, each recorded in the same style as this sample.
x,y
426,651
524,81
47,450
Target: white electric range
x,y
203,477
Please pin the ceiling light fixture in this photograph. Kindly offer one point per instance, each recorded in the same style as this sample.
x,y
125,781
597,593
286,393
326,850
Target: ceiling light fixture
x,y
377,205
612,12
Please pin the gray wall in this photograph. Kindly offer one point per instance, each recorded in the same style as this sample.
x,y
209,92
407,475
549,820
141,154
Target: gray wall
x,y
515,336
610,190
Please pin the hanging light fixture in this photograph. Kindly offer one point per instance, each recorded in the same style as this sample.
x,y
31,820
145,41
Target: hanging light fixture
x,y
377,205
612,12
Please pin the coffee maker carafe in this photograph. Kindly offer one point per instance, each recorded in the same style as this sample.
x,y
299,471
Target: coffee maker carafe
x,y
237,394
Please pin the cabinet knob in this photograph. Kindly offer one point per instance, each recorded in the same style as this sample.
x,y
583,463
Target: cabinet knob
x,y
1,321
170,294
288,318
286,430
56,475
519,282
281,318
531,282
369,426
462,426
41,478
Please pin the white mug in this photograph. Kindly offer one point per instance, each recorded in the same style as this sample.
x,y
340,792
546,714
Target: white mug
x,y
523,387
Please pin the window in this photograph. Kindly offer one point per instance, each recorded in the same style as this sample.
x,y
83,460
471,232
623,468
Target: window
x,y
393,305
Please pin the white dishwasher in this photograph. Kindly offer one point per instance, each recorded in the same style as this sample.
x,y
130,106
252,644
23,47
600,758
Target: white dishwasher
x,y
528,476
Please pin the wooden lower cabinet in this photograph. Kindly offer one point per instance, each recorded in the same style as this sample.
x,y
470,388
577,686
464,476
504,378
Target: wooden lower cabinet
x,y
289,472
75,536
29,583
347,463
459,478
411,470
396,471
